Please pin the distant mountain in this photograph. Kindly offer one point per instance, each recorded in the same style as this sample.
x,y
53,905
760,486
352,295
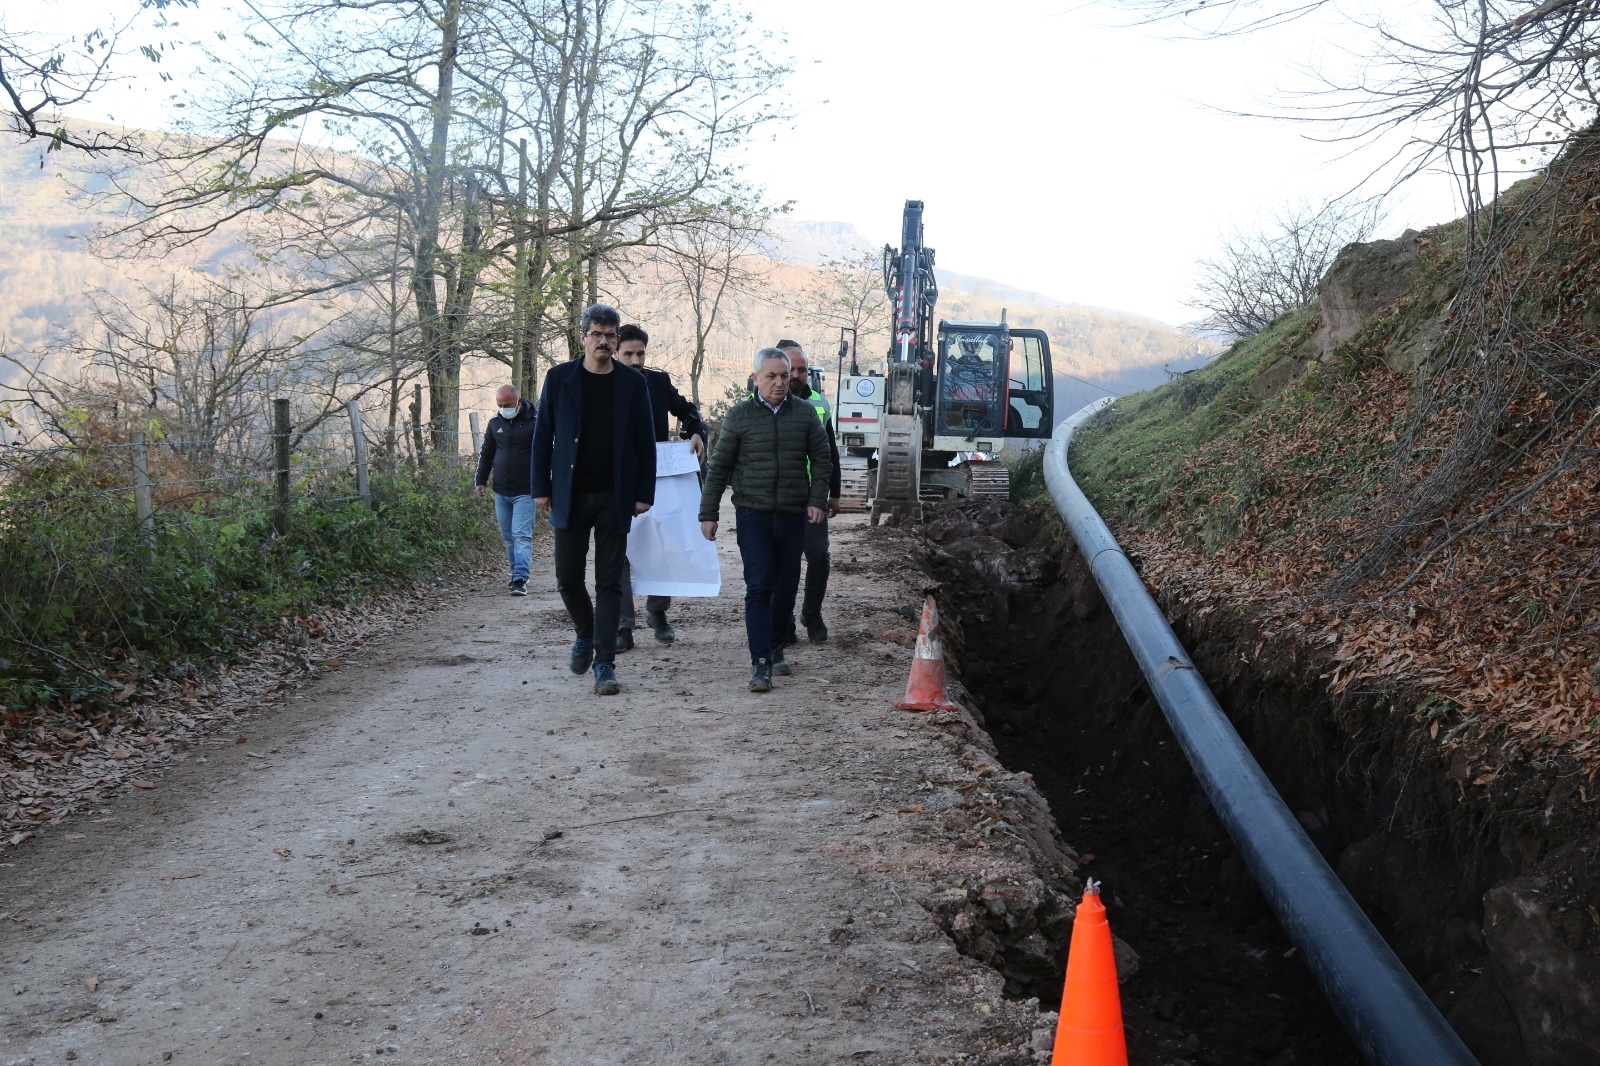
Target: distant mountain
x,y
48,275
814,243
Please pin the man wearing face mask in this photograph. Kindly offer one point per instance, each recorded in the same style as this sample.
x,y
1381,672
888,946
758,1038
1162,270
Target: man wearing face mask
x,y
507,453
817,559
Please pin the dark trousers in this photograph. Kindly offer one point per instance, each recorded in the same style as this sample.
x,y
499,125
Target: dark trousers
x,y
592,514
627,618
770,545
817,567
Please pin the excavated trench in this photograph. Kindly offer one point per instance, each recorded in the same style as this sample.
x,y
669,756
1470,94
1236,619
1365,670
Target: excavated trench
x,y
1491,901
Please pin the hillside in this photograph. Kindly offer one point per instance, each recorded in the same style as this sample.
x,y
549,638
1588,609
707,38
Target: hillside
x,y
1377,523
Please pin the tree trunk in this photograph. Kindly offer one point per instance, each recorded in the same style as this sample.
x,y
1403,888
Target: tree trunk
x,y
443,376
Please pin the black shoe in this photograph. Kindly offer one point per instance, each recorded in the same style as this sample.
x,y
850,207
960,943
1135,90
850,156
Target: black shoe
x,y
519,587
582,656
658,622
624,640
816,632
780,665
761,676
511,584
605,680
788,637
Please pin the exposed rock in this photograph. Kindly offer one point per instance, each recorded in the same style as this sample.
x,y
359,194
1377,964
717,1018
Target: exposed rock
x,y
1411,351
1536,941
1364,279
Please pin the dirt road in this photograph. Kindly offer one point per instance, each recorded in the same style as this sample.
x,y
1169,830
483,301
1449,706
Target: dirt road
x,y
450,851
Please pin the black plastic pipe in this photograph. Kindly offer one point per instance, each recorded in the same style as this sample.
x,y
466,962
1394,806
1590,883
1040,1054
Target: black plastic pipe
x,y
1390,1019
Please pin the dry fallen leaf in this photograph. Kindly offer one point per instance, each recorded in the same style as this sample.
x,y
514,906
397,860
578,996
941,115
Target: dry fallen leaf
x,y
92,984
913,809
184,877
140,782
281,852
127,691
241,740
122,753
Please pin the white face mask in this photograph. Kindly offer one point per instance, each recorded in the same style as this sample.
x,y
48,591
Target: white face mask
x,y
509,412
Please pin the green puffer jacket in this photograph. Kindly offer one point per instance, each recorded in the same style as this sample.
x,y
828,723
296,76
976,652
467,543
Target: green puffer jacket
x,y
764,456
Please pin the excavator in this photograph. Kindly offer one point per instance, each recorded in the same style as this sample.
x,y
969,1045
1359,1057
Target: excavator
x,y
935,424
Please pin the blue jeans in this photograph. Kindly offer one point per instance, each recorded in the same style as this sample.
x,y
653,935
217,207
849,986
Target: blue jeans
x,y
515,515
770,545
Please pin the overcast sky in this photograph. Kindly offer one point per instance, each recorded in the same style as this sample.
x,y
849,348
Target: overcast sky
x,y
1056,150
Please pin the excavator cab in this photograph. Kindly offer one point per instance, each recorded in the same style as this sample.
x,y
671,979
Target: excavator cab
x,y
992,382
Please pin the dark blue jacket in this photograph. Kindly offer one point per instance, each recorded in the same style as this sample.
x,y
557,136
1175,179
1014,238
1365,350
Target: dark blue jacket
x,y
555,441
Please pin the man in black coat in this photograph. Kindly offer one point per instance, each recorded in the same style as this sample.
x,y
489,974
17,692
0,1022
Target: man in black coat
x,y
594,469
665,399
508,454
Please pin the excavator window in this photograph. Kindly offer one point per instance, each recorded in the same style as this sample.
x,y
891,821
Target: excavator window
x,y
1029,405
969,382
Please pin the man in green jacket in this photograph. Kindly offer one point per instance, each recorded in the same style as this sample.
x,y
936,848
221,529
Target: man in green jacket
x,y
774,452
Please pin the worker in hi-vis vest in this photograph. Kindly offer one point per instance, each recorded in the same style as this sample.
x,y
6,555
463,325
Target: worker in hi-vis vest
x,y
816,551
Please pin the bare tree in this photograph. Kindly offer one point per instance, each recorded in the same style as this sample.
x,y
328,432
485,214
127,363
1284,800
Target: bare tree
x,y
195,363
1472,83
628,110
849,292
706,259
1261,273
41,77
632,110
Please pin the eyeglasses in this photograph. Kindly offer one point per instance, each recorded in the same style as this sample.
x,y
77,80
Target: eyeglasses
x,y
597,335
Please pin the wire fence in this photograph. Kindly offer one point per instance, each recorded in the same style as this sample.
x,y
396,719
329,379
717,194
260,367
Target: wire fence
x,y
123,549
319,467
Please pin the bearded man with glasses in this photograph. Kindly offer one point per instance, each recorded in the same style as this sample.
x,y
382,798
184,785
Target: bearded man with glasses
x,y
594,469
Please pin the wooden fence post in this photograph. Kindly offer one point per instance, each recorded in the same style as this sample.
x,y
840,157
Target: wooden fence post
x,y
363,485
477,437
280,456
416,423
141,495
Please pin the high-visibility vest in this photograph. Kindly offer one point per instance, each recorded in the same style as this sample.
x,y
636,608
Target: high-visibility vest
x,y
819,403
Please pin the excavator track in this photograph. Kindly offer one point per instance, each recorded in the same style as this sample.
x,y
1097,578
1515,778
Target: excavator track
x,y
853,475
989,478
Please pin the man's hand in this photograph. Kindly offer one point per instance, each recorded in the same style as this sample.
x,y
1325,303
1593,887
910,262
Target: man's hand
x,y
640,508
833,507
480,490
814,515
542,502
697,446
709,529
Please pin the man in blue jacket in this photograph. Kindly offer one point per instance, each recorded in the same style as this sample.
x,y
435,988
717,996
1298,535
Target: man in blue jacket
x,y
507,454
594,468
665,400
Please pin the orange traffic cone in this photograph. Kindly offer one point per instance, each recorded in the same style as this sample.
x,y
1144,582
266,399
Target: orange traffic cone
x,y
1090,1030
925,688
